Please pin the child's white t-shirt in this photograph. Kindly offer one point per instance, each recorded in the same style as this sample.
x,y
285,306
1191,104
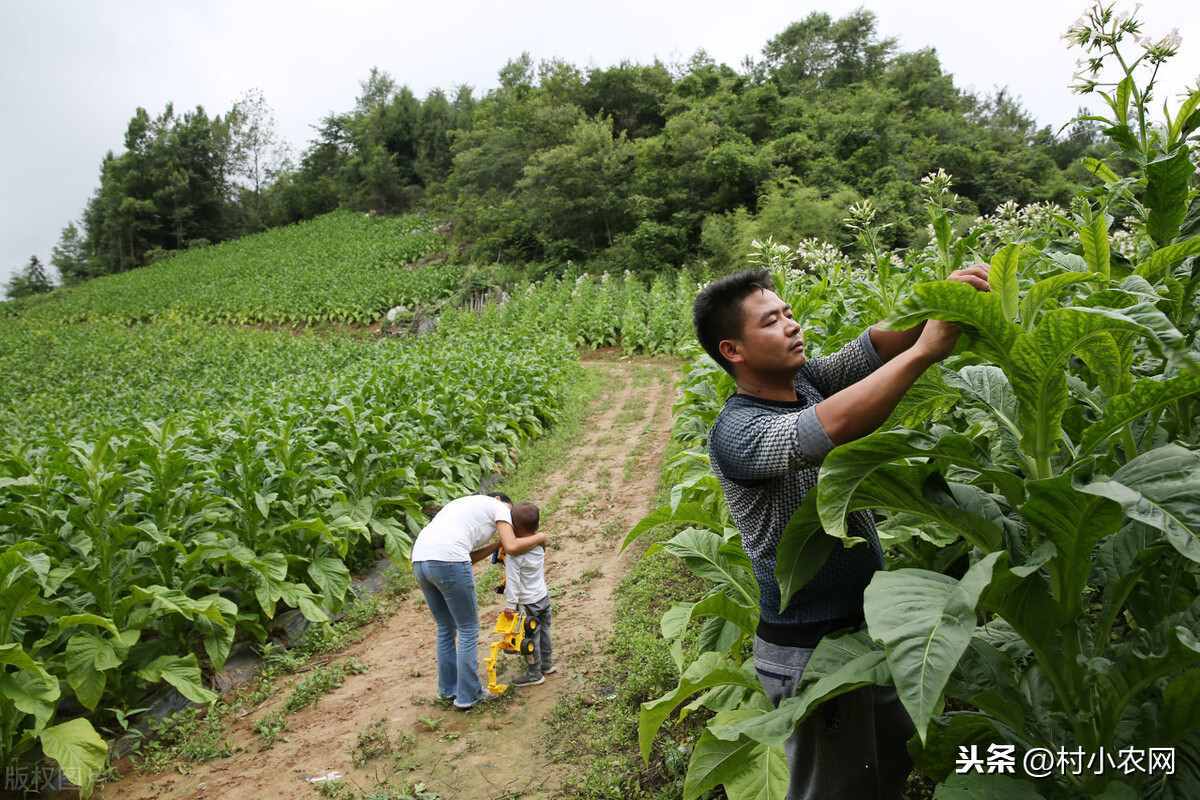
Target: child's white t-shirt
x,y
461,526
525,577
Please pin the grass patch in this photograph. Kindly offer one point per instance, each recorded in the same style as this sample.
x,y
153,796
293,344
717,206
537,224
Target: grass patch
x,y
645,374
376,742
269,727
581,506
631,414
379,790
193,734
551,505
658,372
588,577
603,733
613,529
400,580
431,724
635,453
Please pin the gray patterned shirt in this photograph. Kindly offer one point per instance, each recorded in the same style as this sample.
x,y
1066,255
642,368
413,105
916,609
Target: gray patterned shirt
x,y
766,455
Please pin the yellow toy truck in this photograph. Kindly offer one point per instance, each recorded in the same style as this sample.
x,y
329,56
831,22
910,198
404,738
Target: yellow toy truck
x,y
515,629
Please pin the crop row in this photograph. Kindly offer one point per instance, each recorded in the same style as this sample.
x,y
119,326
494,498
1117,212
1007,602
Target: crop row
x,y
606,311
139,554
71,380
341,267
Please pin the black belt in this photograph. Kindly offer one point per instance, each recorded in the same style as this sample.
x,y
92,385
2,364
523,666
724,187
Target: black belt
x,y
804,634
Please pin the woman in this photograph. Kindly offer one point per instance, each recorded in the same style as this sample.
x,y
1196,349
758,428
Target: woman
x,y
458,536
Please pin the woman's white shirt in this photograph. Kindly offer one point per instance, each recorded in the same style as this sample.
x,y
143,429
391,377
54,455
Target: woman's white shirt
x,y
461,526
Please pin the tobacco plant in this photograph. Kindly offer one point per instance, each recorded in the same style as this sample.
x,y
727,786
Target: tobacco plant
x,y
138,555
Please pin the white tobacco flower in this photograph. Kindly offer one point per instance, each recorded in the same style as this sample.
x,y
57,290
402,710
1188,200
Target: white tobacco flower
x,y
1127,21
1082,84
937,183
1081,26
1123,242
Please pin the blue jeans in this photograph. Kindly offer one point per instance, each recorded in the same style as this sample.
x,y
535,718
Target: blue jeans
x,y
449,589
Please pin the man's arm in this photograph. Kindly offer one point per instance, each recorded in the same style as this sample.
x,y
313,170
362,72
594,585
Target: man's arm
x,y
851,364
889,344
863,406
513,545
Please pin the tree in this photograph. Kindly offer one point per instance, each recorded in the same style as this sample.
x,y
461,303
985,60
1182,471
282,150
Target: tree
x,y
312,188
633,95
31,280
69,256
574,194
168,188
376,90
819,52
380,171
256,153
622,163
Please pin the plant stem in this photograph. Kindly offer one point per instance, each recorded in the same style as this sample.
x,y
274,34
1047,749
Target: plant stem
x,y
1044,469
1127,442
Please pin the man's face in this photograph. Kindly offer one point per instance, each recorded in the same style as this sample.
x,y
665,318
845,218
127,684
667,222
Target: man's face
x,y
771,340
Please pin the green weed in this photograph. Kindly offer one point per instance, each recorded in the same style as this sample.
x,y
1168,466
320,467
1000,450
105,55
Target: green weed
x,y
270,726
322,681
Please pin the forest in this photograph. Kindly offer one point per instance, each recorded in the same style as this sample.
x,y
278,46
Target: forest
x,y
632,166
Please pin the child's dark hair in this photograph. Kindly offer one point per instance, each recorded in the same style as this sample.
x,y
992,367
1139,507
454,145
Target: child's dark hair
x,y
503,498
717,312
526,517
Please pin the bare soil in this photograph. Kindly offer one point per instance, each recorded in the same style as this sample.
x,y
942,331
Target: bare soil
x,y
595,493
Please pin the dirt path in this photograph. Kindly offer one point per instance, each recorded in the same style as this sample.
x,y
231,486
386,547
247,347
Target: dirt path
x,y
599,490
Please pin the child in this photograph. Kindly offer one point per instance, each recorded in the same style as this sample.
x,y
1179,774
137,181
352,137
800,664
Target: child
x,y
525,586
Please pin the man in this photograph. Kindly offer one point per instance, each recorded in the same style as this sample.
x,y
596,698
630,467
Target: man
x,y
766,448
457,537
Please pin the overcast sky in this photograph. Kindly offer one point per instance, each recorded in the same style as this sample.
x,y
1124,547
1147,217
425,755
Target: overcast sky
x,y
72,73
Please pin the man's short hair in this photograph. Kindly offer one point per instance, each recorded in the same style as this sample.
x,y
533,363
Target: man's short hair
x,y
717,312
503,498
526,517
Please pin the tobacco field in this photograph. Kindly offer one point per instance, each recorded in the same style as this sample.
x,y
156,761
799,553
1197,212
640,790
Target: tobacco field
x,y
182,460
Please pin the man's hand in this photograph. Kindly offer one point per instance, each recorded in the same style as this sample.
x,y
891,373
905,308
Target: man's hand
x,y
889,344
975,275
938,338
